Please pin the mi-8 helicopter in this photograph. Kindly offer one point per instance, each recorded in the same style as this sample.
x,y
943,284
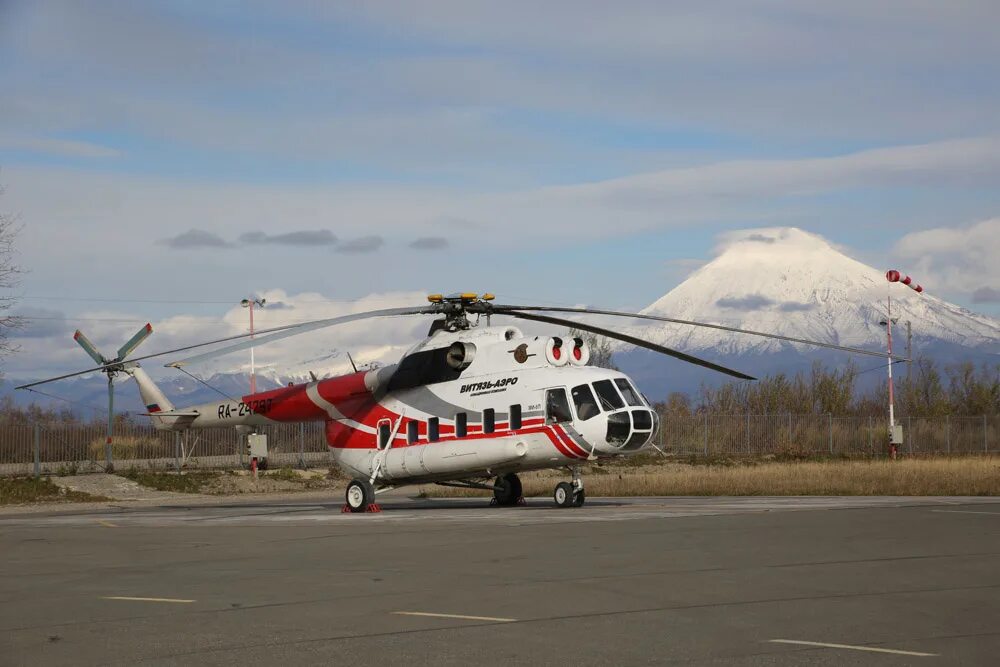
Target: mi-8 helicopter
x,y
471,405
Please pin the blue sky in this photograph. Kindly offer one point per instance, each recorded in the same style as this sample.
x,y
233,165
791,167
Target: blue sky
x,y
571,152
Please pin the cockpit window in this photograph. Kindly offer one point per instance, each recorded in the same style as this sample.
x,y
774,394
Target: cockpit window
x,y
610,400
631,397
586,404
557,407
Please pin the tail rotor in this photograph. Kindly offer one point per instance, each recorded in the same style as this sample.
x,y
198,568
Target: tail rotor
x,y
111,368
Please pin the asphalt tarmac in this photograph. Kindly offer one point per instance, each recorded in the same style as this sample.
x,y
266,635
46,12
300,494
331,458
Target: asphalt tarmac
x,y
718,581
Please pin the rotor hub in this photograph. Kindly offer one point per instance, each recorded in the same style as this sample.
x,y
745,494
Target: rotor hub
x,y
456,308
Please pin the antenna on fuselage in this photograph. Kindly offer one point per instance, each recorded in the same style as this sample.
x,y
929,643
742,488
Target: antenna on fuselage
x,y
351,359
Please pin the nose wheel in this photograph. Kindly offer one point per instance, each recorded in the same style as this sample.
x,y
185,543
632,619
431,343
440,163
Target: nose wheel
x,y
570,494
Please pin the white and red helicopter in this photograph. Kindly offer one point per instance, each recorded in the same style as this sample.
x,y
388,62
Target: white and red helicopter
x,y
469,406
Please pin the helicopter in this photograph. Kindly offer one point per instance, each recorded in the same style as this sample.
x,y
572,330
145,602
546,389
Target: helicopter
x,y
472,405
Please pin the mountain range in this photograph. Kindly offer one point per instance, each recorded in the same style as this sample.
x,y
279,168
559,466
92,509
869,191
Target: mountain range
x,y
793,283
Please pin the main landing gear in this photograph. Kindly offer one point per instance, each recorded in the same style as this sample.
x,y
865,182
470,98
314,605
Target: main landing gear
x,y
570,494
360,496
507,491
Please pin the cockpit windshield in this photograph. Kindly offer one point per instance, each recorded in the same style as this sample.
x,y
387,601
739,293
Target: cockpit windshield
x,y
610,400
630,394
586,405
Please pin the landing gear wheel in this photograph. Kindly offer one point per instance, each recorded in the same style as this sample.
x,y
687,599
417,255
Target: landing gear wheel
x,y
262,464
360,495
508,490
578,498
563,494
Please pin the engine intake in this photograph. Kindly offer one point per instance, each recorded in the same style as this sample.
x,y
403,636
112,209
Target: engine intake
x,y
555,353
460,355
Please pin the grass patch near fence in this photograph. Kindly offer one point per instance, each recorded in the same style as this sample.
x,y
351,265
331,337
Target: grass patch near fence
x,y
967,476
188,482
28,490
237,482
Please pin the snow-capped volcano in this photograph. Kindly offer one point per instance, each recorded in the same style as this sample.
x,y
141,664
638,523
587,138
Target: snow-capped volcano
x,y
794,283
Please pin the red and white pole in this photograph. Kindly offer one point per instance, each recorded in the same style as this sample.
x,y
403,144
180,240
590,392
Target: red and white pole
x,y
893,276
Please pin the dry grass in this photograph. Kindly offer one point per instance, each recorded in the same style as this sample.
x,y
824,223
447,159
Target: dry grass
x,y
229,483
28,490
968,476
125,447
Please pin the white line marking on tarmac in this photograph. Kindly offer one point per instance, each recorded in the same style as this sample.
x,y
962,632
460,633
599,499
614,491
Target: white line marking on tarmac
x,y
851,647
119,597
460,616
965,512
106,524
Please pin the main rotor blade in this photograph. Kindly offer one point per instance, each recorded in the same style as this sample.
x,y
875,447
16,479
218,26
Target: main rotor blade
x,y
134,342
629,339
657,318
89,347
305,327
114,364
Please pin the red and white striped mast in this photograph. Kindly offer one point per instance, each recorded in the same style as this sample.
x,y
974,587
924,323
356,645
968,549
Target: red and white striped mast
x,y
893,276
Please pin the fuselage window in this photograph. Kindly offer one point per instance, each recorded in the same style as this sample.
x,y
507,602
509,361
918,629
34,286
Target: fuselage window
x,y
489,420
384,431
610,400
586,404
412,432
515,417
461,425
631,397
433,430
557,407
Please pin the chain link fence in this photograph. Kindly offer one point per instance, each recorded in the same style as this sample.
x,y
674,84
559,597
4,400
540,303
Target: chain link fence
x,y
712,435
78,448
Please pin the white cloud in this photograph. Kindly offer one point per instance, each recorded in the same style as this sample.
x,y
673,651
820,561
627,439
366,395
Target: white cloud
x,y
63,147
956,259
48,349
70,215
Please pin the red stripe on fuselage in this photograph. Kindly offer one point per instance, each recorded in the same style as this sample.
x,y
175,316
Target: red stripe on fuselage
x,y
347,393
343,436
570,443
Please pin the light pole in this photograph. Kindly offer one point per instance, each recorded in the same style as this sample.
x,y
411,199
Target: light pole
x,y
893,276
250,303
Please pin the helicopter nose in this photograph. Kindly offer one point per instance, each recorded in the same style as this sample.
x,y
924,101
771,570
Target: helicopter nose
x,y
629,430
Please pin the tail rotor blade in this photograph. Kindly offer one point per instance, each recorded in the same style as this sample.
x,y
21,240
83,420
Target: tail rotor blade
x,y
89,347
135,341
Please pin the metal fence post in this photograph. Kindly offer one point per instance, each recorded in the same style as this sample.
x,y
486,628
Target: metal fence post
x,y
871,444
829,417
706,435
747,438
177,450
302,445
947,432
986,447
909,433
38,451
